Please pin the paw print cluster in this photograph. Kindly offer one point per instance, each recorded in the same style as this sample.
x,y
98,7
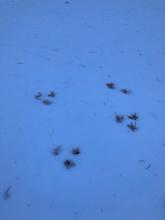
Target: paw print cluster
x,y
132,125
112,86
47,99
68,162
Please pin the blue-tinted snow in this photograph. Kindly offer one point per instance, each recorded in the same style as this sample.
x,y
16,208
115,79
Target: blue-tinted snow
x,y
74,48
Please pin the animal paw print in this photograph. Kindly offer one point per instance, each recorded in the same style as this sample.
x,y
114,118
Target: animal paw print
x,y
112,86
68,162
46,99
132,125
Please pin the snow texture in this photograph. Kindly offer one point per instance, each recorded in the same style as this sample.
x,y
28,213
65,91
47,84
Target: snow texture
x,y
72,75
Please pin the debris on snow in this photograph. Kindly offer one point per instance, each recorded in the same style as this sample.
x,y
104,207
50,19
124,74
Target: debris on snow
x,y
7,193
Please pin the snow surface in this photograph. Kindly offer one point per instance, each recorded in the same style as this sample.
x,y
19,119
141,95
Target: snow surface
x,y
74,48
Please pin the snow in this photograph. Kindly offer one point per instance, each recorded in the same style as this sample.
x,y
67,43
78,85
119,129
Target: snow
x,y
74,48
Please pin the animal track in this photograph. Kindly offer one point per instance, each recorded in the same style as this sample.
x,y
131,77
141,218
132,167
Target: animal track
x,y
76,151
133,116
119,118
110,85
125,91
43,98
57,150
69,163
47,102
38,96
132,126
52,94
